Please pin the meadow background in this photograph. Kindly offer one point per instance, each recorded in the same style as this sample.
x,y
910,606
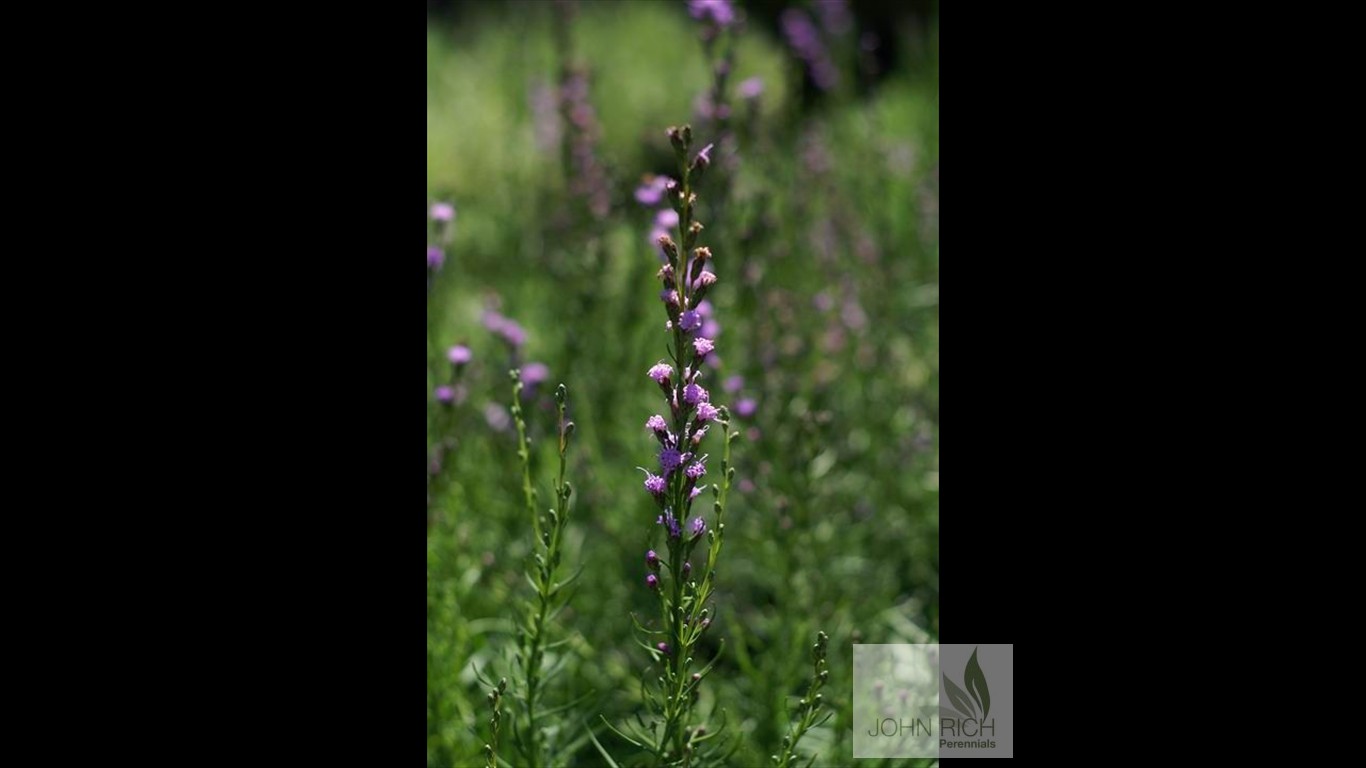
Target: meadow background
x,y
823,217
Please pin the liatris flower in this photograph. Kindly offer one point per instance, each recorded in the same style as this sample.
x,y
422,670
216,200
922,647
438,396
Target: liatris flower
x,y
443,212
669,460
459,355
694,394
534,373
661,372
699,527
752,88
587,177
805,40
508,330
670,523
651,191
690,321
680,434
654,484
718,12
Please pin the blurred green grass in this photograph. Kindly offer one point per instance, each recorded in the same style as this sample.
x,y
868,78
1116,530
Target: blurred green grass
x,y
828,253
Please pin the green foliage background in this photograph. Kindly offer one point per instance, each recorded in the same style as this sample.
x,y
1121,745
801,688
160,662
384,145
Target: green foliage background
x,y
828,252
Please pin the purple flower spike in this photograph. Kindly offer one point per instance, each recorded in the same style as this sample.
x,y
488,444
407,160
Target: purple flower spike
x,y
459,354
445,395
661,372
654,484
434,257
443,212
707,411
694,471
703,346
652,581
656,423
690,321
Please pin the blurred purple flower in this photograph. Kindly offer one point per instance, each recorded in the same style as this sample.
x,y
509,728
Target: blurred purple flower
x,y
534,373
443,212
719,12
651,192
435,257
666,219
752,88
459,354
746,408
506,329
734,384
445,395
497,417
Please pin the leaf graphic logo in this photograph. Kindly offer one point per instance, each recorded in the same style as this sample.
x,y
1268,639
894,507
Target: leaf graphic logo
x,y
977,699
